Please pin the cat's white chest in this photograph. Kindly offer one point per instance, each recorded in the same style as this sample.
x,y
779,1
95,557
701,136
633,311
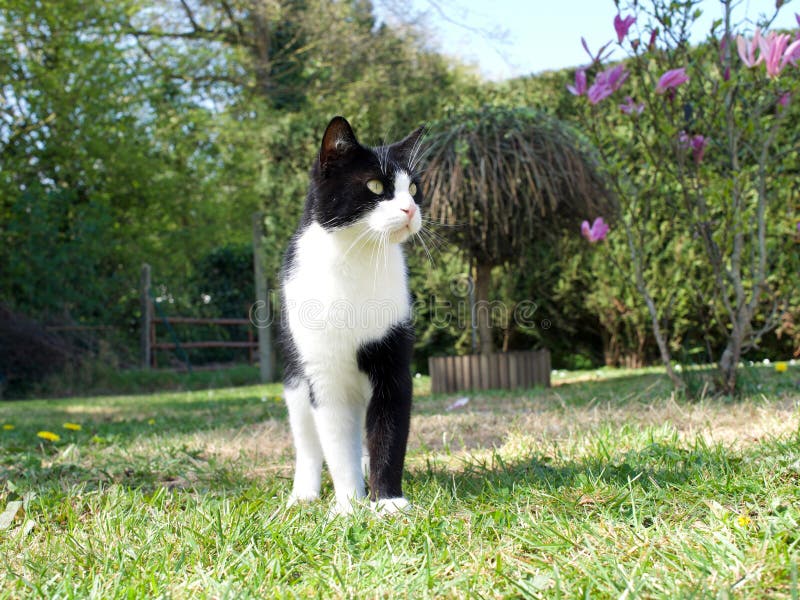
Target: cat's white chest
x,y
341,295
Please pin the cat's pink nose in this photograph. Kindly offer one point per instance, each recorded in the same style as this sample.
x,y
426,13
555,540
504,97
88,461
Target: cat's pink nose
x,y
410,211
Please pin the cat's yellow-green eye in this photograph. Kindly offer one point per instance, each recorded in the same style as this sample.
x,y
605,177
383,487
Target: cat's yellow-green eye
x,y
412,189
375,186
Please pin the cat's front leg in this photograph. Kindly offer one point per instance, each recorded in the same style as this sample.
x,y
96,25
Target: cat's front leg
x,y
339,426
388,417
308,451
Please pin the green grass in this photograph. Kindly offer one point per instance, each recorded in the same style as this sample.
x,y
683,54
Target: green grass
x,y
610,488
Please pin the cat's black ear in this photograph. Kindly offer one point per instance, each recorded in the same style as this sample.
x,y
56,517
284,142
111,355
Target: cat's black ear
x,y
407,150
338,140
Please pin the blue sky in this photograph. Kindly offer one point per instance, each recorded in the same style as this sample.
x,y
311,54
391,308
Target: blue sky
x,y
545,34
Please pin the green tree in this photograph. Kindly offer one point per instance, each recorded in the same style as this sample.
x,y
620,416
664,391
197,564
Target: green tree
x,y
695,157
502,178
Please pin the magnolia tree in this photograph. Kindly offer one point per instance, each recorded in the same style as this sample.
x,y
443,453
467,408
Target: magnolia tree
x,y
690,144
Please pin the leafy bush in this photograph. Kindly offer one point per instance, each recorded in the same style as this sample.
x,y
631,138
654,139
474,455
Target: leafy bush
x,y
28,352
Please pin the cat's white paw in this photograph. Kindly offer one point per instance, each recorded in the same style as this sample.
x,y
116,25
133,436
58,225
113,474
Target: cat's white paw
x,y
301,498
390,506
343,507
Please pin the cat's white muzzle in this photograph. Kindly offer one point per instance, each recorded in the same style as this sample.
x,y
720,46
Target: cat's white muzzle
x,y
398,218
407,228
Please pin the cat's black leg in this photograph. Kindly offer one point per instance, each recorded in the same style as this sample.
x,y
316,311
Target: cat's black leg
x,y
387,363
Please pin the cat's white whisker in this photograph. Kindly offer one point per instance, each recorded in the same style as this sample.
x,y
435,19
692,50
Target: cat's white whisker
x,y
435,223
414,159
364,235
434,238
430,256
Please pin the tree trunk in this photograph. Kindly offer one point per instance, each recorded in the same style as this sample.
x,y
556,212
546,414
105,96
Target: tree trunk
x,y
641,287
260,51
481,312
729,361
727,366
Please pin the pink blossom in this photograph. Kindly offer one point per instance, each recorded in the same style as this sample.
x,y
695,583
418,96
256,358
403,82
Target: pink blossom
x,y
699,144
747,49
792,53
777,52
579,89
629,107
696,143
599,57
784,99
653,36
599,93
597,232
606,83
672,79
622,26
774,50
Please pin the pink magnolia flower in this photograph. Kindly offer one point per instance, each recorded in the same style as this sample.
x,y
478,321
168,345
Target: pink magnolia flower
x,y
747,49
696,143
579,89
629,107
792,52
622,26
606,83
651,45
777,52
774,50
597,232
599,57
672,79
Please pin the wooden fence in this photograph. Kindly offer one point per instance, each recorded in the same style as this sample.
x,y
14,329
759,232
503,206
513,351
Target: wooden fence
x,y
251,345
504,371
150,341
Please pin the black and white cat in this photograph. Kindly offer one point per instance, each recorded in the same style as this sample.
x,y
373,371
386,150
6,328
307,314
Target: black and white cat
x,y
347,332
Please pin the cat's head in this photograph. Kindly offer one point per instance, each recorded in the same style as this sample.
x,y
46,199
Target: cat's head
x,y
361,188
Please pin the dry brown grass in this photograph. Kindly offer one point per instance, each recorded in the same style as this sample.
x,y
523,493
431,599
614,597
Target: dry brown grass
x,y
513,424
487,422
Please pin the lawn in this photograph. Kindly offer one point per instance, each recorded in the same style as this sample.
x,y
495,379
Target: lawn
x,y
604,486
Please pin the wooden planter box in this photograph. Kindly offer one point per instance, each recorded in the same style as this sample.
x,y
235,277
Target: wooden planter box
x,y
501,371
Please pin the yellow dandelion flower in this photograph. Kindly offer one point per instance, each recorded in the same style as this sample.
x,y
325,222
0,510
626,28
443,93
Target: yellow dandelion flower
x,y
49,435
72,426
743,520
781,367
151,421
8,426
